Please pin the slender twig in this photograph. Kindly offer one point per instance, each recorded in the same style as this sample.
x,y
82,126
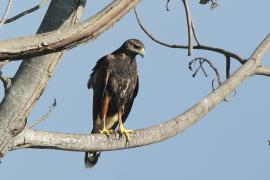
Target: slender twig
x,y
3,19
189,27
192,65
167,5
195,72
203,70
152,37
188,18
199,46
217,79
228,66
201,61
26,12
194,33
42,118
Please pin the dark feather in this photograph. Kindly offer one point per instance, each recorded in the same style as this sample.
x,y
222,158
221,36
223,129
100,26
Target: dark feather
x,y
114,80
98,81
129,104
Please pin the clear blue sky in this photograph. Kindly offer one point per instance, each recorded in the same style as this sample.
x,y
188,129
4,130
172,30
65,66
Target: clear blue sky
x,y
229,143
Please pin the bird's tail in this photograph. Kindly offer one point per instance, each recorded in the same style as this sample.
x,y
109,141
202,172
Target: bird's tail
x,y
90,159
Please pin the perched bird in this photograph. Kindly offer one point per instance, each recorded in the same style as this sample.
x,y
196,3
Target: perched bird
x,y
115,83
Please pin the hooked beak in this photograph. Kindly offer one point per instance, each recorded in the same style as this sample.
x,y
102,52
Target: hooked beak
x,y
141,52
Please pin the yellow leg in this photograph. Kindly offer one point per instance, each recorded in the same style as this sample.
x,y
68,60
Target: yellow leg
x,y
105,131
122,130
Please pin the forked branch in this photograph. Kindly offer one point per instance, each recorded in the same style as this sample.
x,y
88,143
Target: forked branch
x,y
262,70
26,12
3,19
59,40
6,81
37,71
161,132
201,61
199,46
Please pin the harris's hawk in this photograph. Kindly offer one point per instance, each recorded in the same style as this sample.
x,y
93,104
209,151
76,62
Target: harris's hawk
x,y
115,83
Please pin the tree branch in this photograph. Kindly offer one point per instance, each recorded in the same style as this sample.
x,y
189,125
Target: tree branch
x,y
202,61
3,63
6,13
199,46
59,40
228,66
167,5
194,33
189,27
154,134
6,82
43,117
26,12
262,70
22,96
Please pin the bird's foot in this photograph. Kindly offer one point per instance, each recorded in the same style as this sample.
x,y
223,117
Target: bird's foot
x,y
105,131
125,132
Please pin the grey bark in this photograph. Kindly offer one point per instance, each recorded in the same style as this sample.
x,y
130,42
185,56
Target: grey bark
x,y
19,101
96,142
264,71
33,74
66,38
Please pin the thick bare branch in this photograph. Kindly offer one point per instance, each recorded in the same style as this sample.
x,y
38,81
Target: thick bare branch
x,y
37,71
262,70
66,38
77,142
22,96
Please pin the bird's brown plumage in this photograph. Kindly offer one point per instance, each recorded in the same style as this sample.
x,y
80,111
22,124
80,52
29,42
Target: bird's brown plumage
x,y
115,83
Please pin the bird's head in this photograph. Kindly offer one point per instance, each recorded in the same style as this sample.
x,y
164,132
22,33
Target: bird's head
x,y
134,47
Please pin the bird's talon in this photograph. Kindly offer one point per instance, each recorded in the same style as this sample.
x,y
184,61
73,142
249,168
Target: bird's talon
x,y
125,132
107,132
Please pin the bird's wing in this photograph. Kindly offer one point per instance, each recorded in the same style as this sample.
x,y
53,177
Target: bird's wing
x,y
98,82
129,103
